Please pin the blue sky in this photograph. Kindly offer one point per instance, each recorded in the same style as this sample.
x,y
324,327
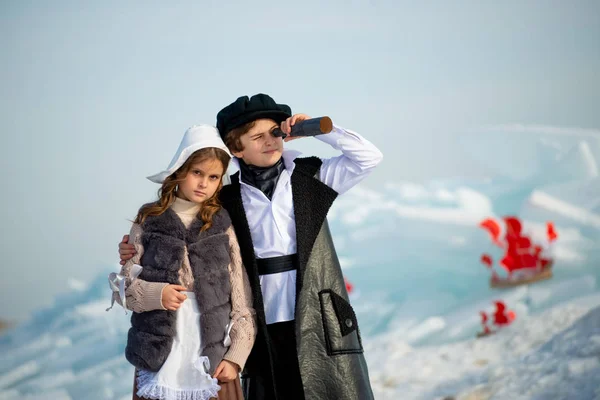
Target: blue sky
x,y
96,95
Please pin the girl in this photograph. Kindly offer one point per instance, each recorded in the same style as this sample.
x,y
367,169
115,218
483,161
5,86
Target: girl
x,y
193,324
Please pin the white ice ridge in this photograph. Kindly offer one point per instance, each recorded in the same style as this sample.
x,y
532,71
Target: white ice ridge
x,y
471,206
589,159
23,371
561,207
544,129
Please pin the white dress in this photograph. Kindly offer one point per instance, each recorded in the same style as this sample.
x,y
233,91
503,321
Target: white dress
x,y
184,374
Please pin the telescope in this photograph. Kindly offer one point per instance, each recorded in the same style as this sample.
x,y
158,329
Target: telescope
x,y
308,127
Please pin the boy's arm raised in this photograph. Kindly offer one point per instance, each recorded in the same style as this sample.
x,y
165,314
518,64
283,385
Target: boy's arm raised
x,y
359,157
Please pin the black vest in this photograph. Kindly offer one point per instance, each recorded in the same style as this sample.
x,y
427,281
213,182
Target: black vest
x,y
164,239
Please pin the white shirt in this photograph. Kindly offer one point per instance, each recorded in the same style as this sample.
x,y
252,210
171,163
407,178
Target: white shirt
x,y
272,223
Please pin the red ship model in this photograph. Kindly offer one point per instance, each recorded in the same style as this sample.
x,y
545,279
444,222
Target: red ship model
x,y
500,318
523,260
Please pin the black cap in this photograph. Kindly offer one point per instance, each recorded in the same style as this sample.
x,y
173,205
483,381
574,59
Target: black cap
x,y
245,110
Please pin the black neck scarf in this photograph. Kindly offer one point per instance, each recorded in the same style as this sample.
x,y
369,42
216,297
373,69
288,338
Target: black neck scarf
x,y
263,178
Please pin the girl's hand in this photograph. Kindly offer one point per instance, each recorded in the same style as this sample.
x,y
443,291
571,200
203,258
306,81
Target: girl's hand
x,y
286,126
126,250
171,298
226,371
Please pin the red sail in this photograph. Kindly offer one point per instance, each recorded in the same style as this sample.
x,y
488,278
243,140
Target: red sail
x,y
484,317
523,243
487,260
509,263
493,228
551,232
513,226
501,316
349,286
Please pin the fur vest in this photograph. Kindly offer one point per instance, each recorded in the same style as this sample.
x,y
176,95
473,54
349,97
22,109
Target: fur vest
x,y
164,239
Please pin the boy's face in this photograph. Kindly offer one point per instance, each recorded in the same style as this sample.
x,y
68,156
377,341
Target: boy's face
x,y
261,148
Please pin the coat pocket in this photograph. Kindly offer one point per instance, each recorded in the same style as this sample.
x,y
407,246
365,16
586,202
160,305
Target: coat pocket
x,y
342,335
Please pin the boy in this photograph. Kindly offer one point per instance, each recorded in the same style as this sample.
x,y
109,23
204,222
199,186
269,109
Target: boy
x,y
308,344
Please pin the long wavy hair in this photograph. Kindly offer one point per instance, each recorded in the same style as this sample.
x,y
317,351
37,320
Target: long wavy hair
x,y
168,190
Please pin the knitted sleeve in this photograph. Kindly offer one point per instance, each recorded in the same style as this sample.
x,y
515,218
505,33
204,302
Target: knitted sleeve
x,y
243,331
140,295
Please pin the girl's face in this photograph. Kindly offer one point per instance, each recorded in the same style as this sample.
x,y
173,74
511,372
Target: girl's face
x,y
202,181
261,148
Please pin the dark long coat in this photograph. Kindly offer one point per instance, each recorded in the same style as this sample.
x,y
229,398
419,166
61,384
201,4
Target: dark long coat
x,y
330,351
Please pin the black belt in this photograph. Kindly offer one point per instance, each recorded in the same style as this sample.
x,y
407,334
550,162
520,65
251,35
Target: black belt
x,y
275,265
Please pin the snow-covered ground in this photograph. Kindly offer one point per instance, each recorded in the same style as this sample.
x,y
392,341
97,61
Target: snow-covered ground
x,y
553,355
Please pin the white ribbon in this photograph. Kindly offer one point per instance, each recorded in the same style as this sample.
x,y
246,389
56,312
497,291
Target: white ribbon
x,y
227,340
117,285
